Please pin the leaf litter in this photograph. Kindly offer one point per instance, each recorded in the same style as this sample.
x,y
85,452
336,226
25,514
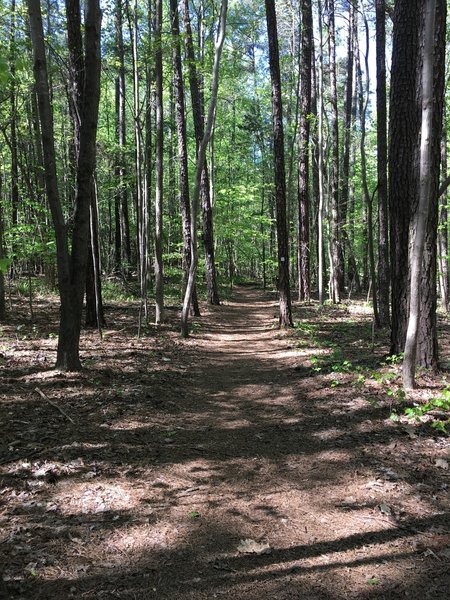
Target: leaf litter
x,y
102,505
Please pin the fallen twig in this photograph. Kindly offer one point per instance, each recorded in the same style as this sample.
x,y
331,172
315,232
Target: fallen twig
x,y
30,454
44,397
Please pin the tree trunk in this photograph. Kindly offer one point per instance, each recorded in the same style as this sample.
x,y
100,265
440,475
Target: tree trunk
x,y
383,222
337,279
199,126
95,315
76,81
200,165
285,319
71,268
315,189
427,173
159,271
346,144
443,230
304,201
122,247
13,108
3,264
427,355
363,103
403,169
182,152
320,214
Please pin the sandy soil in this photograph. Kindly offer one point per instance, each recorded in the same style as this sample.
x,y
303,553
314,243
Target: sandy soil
x,y
241,463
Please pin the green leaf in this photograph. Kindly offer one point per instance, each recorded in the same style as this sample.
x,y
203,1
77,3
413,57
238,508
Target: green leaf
x,y
4,70
4,264
194,515
373,581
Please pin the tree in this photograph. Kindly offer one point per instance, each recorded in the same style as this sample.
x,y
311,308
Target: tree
x,y
71,265
182,151
13,103
443,230
198,110
404,132
304,285
199,167
3,261
95,316
363,97
383,223
408,160
346,143
285,318
427,343
159,269
94,304
320,162
337,256
122,246
428,173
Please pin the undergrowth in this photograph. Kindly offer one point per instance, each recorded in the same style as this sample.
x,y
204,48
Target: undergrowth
x,y
347,355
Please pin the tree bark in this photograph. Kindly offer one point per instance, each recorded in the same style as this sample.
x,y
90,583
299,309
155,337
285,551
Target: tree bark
x,y
94,304
285,318
2,258
383,222
182,151
403,170
427,343
199,126
71,267
95,315
443,230
304,200
159,268
122,245
320,212
13,108
200,165
420,218
347,140
363,102
337,278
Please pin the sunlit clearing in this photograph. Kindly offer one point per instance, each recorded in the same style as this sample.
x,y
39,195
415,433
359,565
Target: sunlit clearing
x,y
329,434
95,497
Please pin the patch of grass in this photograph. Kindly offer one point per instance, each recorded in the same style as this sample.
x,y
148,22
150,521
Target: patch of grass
x,y
438,409
394,359
28,332
118,291
39,287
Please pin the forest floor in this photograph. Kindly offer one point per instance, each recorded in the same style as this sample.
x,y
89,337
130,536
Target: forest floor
x,y
243,463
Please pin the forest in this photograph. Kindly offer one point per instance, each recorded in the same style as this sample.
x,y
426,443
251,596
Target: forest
x,y
224,295
287,174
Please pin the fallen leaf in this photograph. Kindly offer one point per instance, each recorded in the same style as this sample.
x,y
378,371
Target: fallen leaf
x,y
429,552
441,463
385,509
375,483
409,430
249,546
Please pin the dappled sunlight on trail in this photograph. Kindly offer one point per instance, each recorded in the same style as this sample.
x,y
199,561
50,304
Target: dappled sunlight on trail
x,y
168,465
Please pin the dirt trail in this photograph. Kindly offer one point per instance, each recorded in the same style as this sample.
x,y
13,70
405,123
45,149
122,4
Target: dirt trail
x,y
152,493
